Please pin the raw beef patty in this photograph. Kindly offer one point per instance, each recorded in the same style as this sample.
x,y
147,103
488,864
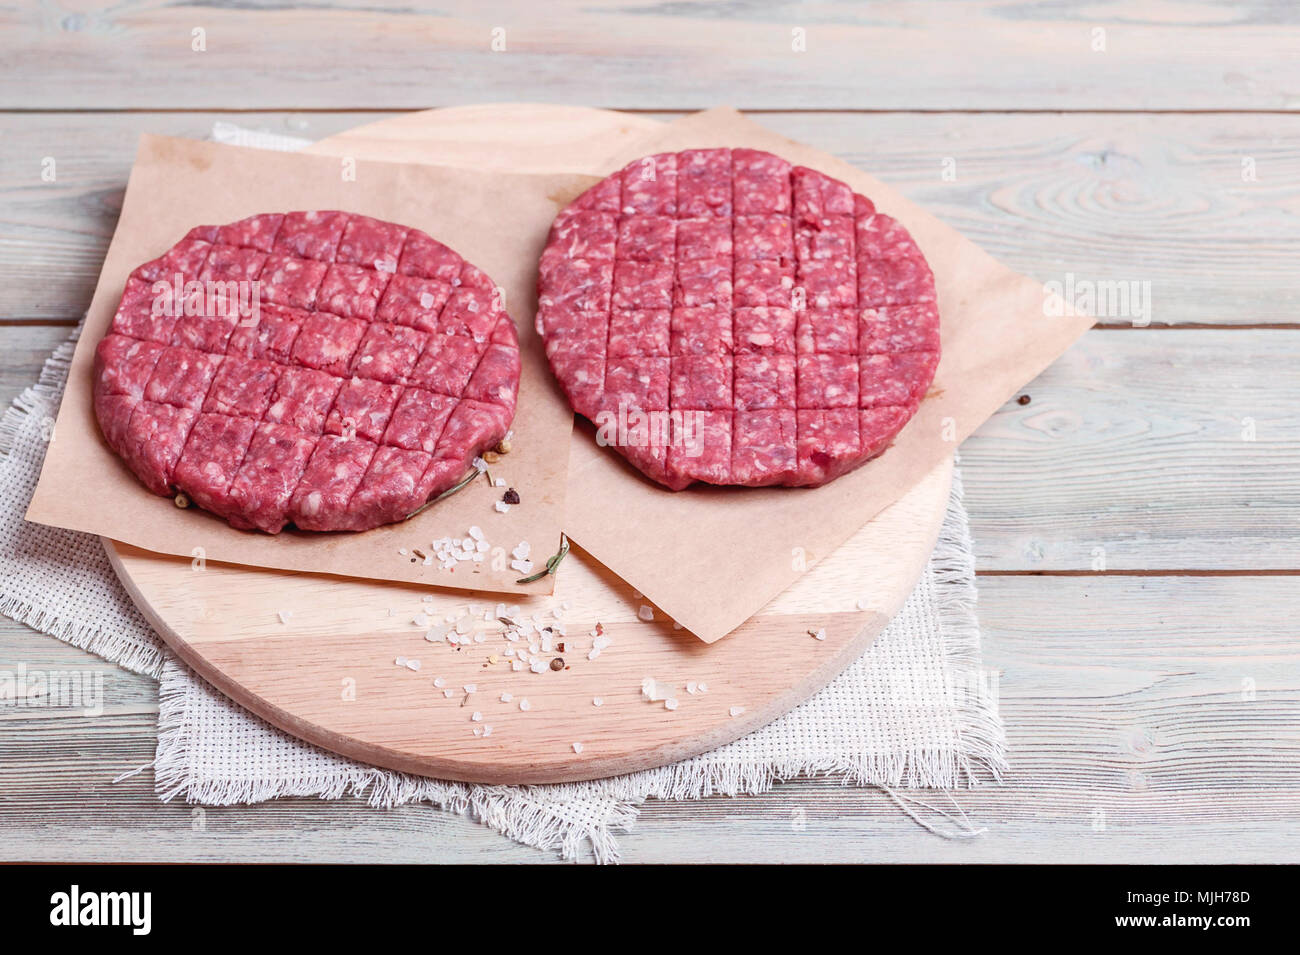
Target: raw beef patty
x,y
323,369
725,317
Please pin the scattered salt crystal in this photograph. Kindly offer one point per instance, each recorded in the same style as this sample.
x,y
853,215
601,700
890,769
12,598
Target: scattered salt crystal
x,y
522,550
819,634
471,687
483,547
691,687
655,691
601,642
523,566
670,703
449,693
476,532
507,697
597,701
516,666
426,300
676,625
477,717
479,464
646,613
400,661
499,482
420,620
413,665
478,731
501,507
284,615
436,632
464,625
487,730
537,666
524,705
704,688
593,653
577,747
736,710
439,682
863,603
403,551
480,636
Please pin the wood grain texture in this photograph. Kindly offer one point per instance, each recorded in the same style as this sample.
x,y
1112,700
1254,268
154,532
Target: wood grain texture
x,y
1133,738
1150,199
1146,451
992,54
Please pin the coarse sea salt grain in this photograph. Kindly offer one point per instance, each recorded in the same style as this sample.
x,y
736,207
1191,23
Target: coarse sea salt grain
x,y
736,710
487,730
654,690
476,532
522,550
597,701
819,633
646,613
525,705
413,665
284,615
471,687
863,603
577,747
477,717
449,693
501,507
670,703
507,697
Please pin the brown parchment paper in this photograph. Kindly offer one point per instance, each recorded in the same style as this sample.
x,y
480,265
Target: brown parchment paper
x,y
712,557
497,221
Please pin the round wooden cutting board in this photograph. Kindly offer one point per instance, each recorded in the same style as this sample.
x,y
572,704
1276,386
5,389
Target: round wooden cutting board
x,y
317,655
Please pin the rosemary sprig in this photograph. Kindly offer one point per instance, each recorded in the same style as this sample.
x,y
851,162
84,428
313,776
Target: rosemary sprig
x,y
552,563
447,493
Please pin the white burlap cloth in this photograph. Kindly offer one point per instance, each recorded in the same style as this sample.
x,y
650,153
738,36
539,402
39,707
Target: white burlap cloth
x,y
917,710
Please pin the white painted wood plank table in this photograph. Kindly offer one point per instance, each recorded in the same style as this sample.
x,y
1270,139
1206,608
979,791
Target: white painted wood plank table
x,y
1137,522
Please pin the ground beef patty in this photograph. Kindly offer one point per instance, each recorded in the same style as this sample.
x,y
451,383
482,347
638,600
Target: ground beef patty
x,y
374,366
767,320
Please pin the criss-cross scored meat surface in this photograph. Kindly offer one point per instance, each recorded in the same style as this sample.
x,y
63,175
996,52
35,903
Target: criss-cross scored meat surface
x,y
375,365
764,317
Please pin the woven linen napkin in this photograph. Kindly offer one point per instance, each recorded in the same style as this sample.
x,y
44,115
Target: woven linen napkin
x,y
917,710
